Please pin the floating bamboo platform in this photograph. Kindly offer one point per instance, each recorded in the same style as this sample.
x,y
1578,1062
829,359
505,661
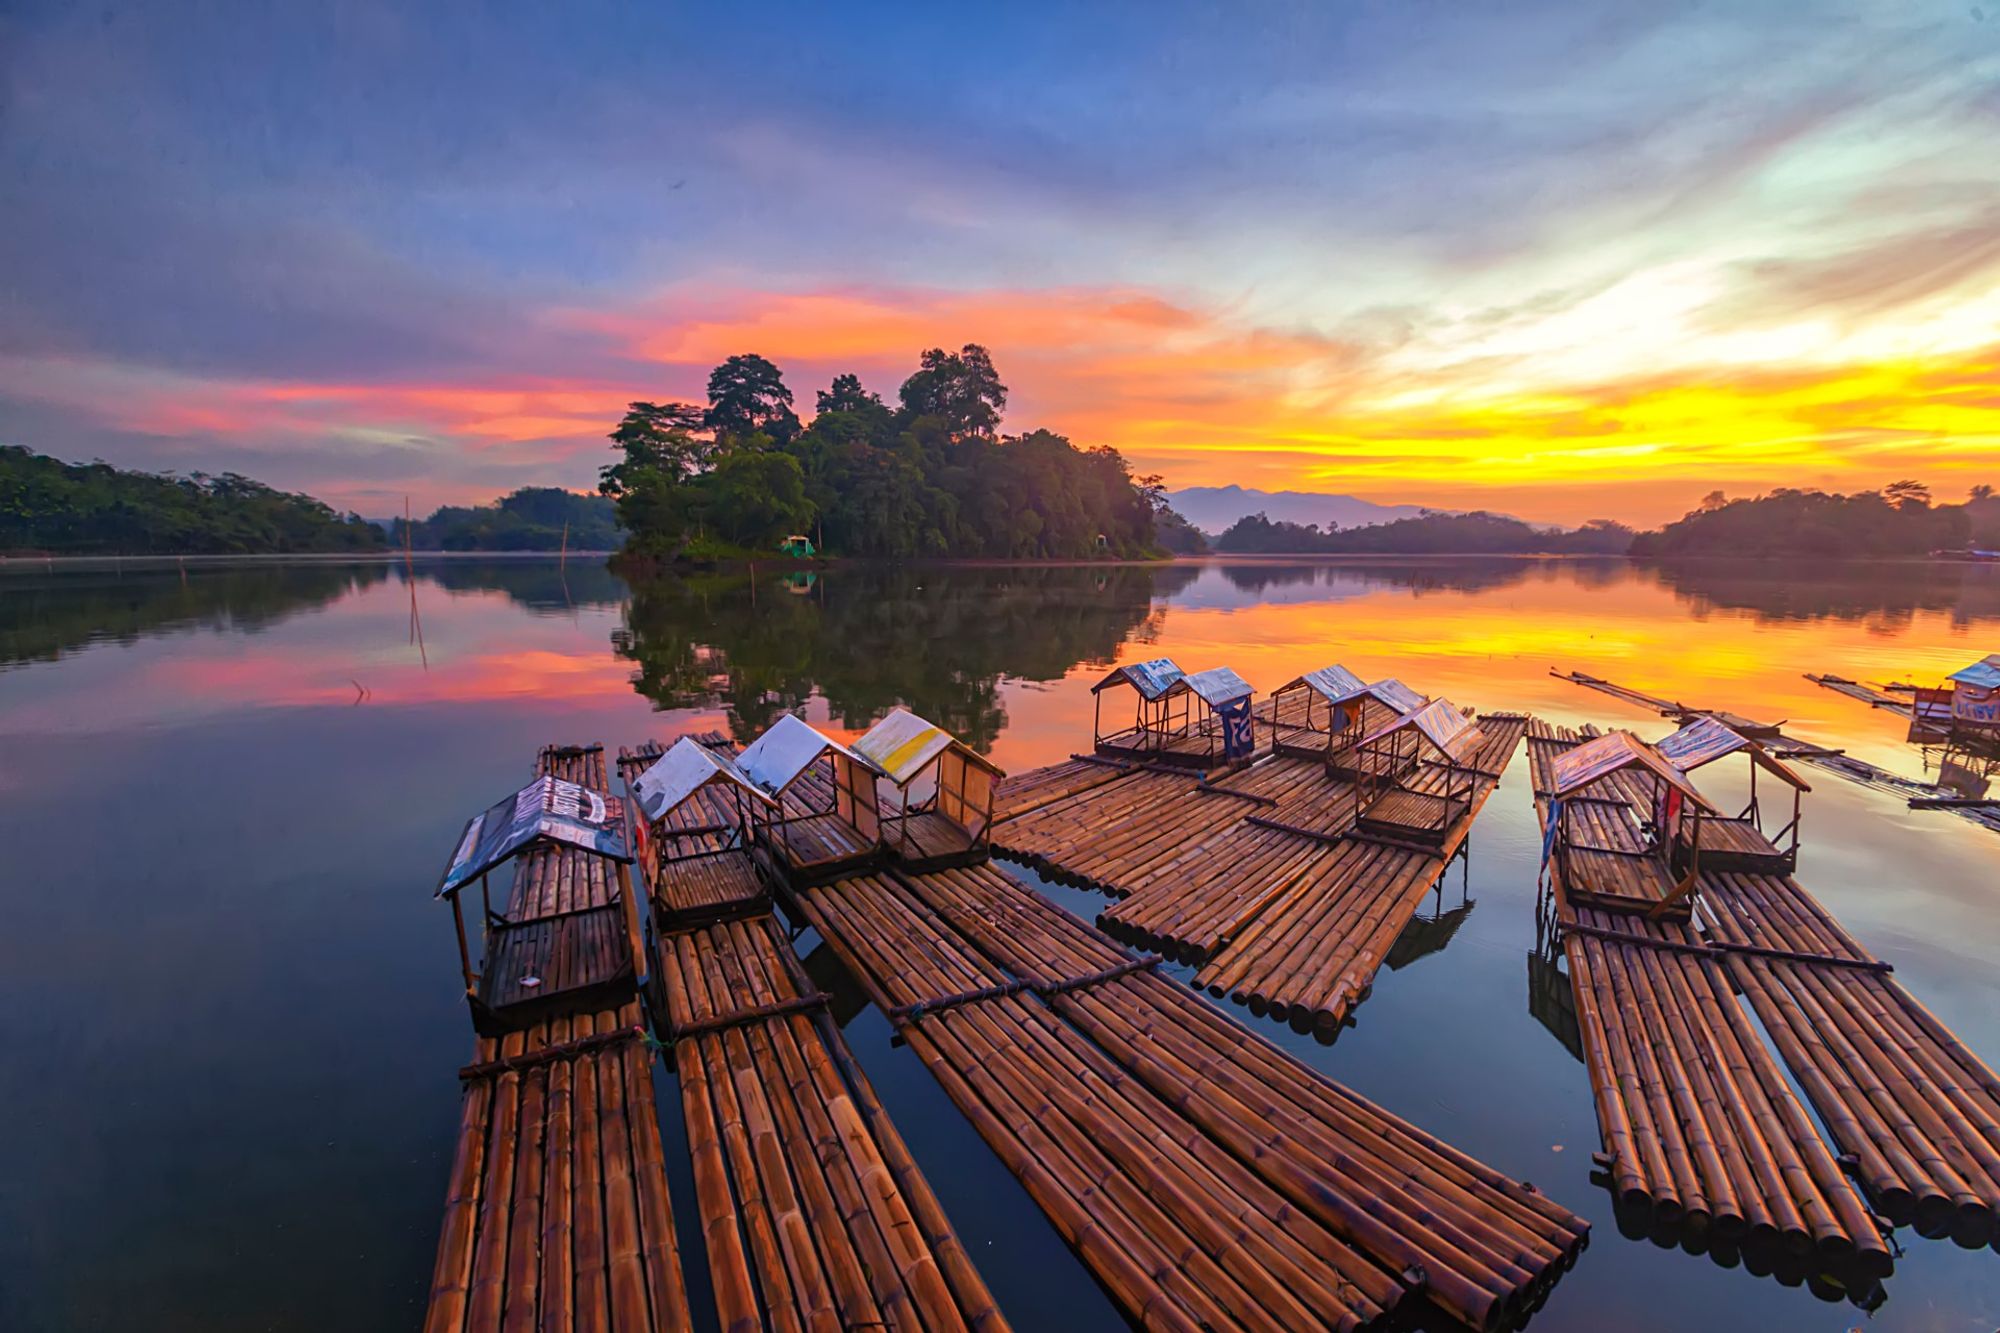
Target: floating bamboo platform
x,y
707,883
1698,1123
813,1212
1265,875
557,1215
1206,1178
1913,1113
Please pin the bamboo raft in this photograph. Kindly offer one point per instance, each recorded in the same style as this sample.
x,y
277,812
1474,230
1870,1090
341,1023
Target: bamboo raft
x,y
1205,1177
1914,1114
1698,1123
1262,875
813,1212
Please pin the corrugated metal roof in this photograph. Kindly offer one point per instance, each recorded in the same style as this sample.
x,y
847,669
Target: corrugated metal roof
x,y
1451,731
1983,674
1217,686
683,770
1604,755
1396,694
1152,679
776,758
1702,741
1334,682
1337,685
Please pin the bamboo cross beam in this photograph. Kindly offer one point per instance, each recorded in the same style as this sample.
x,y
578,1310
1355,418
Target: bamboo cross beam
x,y
755,1013
567,1050
1717,949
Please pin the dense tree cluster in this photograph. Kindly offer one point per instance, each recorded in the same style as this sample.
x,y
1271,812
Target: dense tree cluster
x,y
96,509
1428,534
1896,520
534,518
931,476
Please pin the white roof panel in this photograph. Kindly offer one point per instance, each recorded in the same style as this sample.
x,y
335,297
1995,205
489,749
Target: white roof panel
x,y
683,770
776,758
902,743
1217,686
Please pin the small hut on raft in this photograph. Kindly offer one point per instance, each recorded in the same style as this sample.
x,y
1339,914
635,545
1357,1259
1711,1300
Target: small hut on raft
x,y
827,822
1192,721
1324,714
699,819
1740,843
1416,776
944,792
1602,854
535,964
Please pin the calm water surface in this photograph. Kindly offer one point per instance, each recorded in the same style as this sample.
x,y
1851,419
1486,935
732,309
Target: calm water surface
x,y
229,1009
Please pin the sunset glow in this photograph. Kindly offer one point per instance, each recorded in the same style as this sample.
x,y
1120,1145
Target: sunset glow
x,y
1354,255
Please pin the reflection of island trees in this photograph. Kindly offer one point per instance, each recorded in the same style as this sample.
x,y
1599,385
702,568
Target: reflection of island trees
x,y
937,640
46,615
1467,574
1887,594
545,587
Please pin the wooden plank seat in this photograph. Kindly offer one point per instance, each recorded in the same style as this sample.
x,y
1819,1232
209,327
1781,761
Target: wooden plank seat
x,y
549,965
936,842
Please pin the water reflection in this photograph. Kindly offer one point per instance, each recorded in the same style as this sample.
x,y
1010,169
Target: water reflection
x,y
936,640
45,614
1887,595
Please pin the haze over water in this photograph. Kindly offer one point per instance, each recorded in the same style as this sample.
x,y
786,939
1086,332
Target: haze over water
x,y
230,1006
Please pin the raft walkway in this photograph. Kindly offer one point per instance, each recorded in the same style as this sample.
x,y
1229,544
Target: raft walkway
x,y
1206,1178
1261,875
1913,1114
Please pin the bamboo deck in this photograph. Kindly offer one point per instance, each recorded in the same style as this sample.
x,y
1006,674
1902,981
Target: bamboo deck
x,y
557,1215
1206,1178
1913,1114
814,1214
710,885
1262,875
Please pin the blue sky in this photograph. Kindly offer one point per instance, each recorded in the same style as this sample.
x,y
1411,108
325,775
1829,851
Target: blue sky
x,y
1566,258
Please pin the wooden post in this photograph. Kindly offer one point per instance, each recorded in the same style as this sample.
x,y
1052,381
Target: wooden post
x,y
635,933
464,954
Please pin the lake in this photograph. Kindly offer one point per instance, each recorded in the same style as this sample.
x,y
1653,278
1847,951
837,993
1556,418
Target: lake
x,y
230,1011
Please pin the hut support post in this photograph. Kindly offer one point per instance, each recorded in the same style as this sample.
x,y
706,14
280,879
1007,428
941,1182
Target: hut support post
x,y
464,953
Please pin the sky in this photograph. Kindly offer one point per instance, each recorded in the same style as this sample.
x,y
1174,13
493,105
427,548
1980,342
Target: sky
x,y
1560,260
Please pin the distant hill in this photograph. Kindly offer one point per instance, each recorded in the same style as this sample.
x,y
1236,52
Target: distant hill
x,y
1214,509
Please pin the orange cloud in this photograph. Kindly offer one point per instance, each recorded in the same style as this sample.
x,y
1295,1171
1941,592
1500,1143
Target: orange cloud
x,y
1547,428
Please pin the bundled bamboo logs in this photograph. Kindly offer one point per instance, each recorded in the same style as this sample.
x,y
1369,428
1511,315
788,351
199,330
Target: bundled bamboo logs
x,y
1698,1122
1021,793
1208,1179
558,1214
814,1214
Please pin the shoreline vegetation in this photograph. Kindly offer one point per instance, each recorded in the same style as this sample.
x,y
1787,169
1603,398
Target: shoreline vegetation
x,y
931,479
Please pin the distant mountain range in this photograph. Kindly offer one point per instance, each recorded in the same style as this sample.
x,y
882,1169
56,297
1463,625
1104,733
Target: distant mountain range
x,y
1214,508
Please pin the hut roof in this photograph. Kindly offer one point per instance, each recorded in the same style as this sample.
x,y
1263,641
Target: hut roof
x,y
1707,739
1334,682
1450,731
1601,756
902,743
776,758
1983,674
1216,686
1152,679
685,769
